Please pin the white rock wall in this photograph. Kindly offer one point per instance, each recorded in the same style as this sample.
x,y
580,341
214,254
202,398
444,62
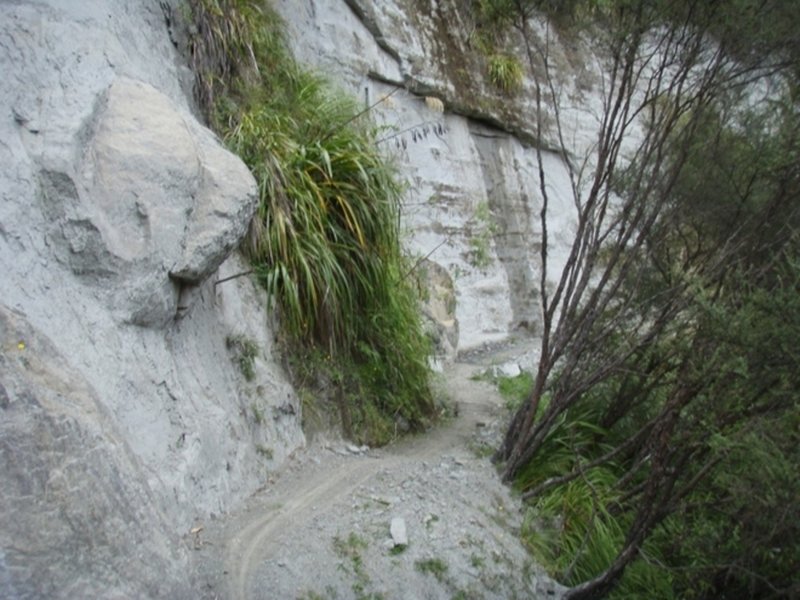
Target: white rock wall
x,y
125,418
119,212
472,175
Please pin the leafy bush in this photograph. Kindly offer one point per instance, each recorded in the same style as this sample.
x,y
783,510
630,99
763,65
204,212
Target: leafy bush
x,y
734,532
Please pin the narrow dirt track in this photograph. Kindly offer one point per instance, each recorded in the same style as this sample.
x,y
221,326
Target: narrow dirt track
x,y
282,544
294,500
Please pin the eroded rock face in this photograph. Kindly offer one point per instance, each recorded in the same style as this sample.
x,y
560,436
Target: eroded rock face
x,y
153,201
473,198
127,418
75,519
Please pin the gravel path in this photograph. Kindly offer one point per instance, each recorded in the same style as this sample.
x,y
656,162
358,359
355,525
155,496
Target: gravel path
x,y
321,528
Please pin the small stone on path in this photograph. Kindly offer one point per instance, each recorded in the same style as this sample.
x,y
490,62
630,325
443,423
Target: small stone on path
x,y
398,531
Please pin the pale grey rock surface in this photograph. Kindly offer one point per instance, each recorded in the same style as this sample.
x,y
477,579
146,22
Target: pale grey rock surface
x,y
474,197
75,520
126,418
397,529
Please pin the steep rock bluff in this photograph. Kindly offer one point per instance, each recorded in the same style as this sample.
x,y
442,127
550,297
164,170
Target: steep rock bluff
x,y
127,418
465,147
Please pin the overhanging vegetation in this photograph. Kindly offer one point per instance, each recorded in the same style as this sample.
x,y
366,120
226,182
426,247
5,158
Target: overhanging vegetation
x,y
666,393
325,242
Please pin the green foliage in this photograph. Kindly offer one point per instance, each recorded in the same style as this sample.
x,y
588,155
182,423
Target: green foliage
x,y
325,240
505,73
515,390
351,546
480,242
573,534
730,357
739,531
222,48
739,534
574,430
748,29
495,13
673,408
493,19
734,534
245,350
434,566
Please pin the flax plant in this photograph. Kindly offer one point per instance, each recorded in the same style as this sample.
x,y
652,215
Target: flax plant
x,y
325,241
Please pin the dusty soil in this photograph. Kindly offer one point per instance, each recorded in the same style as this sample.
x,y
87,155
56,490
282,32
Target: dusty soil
x,y
320,529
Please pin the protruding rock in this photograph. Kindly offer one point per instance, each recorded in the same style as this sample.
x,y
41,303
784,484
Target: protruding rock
x,y
160,198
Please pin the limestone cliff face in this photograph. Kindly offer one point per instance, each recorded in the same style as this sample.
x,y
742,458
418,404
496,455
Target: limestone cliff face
x,y
473,201
125,417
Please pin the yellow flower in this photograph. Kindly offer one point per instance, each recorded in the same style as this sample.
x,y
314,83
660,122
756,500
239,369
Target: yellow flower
x,y
21,345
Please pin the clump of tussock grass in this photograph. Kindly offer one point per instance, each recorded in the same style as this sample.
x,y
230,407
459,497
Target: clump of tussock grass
x,y
325,241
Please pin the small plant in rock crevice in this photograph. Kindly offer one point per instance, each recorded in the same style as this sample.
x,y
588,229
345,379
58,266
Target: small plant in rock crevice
x,y
258,414
264,451
480,243
505,73
245,351
350,549
503,69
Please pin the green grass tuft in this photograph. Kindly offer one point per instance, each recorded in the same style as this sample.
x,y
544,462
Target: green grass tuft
x,y
505,73
325,242
515,390
435,566
569,529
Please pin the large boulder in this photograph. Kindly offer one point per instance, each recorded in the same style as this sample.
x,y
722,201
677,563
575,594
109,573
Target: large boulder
x,y
151,202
